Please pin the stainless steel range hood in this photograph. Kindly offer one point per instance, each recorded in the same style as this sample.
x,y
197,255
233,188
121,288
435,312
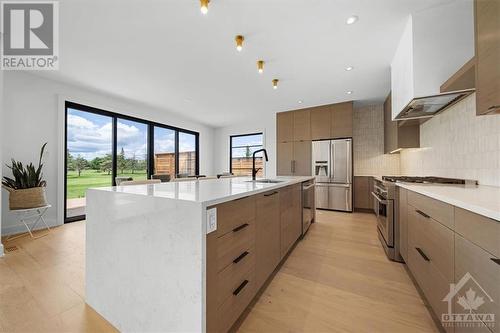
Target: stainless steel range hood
x,y
429,106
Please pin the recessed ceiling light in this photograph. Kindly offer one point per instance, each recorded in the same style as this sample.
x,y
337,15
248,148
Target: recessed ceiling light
x,y
350,68
300,101
349,92
352,19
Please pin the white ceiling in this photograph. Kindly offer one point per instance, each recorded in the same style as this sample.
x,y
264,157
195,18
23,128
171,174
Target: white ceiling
x,y
167,54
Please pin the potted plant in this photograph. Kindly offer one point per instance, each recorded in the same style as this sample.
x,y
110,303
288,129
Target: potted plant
x,y
27,188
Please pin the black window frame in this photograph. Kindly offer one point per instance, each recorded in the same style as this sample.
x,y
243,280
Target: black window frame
x,y
231,146
150,142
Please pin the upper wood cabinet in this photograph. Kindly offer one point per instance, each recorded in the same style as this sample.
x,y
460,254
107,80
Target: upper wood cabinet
x,y
301,125
284,160
434,44
342,120
487,40
397,137
284,127
321,122
294,158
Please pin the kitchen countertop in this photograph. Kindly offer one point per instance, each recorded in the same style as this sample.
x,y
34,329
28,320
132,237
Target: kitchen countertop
x,y
208,192
481,199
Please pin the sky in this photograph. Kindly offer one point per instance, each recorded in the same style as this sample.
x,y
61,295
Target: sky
x,y
89,136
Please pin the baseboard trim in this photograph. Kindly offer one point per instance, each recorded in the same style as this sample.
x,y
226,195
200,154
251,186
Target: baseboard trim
x,y
20,228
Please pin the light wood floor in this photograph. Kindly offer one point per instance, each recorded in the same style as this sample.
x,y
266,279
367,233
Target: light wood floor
x,y
336,280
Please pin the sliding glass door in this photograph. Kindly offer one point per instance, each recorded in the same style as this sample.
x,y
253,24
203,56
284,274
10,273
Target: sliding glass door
x,y
89,149
105,148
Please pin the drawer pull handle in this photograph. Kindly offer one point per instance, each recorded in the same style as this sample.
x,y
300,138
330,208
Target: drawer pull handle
x,y
269,194
495,260
240,257
240,288
419,250
422,213
243,226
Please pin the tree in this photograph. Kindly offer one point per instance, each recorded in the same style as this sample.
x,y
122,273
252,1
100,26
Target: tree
x,y
107,163
248,153
70,161
80,164
95,164
121,162
132,163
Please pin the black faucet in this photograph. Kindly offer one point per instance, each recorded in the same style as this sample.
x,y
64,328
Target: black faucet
x,y
254,170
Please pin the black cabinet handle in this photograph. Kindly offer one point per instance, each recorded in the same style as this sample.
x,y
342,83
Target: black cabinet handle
x,y
240,257
240,288
495,260
419,250
269,194
243,226
422,213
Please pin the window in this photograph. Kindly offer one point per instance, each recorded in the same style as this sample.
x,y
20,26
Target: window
x,y
103,148
241,150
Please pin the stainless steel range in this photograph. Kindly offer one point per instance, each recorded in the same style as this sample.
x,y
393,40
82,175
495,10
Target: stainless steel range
x,y
385,204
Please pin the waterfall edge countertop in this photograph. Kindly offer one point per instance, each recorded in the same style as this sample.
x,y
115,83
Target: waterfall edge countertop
x,y
480,199
208,192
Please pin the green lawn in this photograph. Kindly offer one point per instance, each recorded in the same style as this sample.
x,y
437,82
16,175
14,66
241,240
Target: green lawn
x,y
92,178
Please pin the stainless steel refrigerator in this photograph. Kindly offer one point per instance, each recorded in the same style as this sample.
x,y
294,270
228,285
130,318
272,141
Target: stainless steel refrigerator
x,y
332,167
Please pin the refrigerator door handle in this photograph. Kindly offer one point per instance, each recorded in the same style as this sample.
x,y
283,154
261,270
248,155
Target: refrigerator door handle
x,y
348,159
332,160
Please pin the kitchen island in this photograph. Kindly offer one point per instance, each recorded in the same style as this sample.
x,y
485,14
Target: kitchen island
x,y
187,256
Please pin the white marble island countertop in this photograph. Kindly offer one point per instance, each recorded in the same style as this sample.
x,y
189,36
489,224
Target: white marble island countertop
x,y
207,192
481,199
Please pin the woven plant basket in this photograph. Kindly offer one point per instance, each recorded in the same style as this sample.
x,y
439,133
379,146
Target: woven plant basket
x,y
27,198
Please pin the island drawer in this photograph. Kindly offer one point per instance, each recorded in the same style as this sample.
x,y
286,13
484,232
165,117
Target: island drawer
x,y
234,306
433,241
234,243
233,214
438,210
478,229
485,269
231,277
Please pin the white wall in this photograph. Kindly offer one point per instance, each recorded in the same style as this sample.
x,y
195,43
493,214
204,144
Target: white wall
x,y
368,143
1,159
34,109
266,125
457,143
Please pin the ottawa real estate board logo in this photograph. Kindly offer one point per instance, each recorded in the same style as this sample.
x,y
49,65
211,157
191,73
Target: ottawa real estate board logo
x,y
30,35
469,305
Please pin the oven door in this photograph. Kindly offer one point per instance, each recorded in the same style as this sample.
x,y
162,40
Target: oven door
x,y
385,218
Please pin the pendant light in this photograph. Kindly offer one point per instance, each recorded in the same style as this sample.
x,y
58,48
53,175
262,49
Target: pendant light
x,y
260,66
275,84
239,42
204,6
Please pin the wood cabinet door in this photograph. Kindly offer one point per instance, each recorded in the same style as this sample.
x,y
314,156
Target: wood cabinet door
x,y
487,39
321,121
284,126
284,162
301,125
342,120
267,236
361,194
302,158
403,223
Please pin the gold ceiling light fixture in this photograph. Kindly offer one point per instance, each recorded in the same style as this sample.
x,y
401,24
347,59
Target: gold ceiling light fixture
x,y
204,6
275,84
239,42
260,66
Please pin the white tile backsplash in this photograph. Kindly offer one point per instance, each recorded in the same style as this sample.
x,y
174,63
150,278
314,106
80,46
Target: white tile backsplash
x,y
457,143
368,143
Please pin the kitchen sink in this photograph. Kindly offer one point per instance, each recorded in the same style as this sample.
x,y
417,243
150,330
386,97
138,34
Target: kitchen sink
x,y
266,181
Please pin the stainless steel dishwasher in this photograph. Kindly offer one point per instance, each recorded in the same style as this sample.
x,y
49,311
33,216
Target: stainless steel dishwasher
x,y
308,205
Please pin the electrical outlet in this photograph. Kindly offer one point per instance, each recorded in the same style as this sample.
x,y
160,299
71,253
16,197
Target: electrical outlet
x,y
211,220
